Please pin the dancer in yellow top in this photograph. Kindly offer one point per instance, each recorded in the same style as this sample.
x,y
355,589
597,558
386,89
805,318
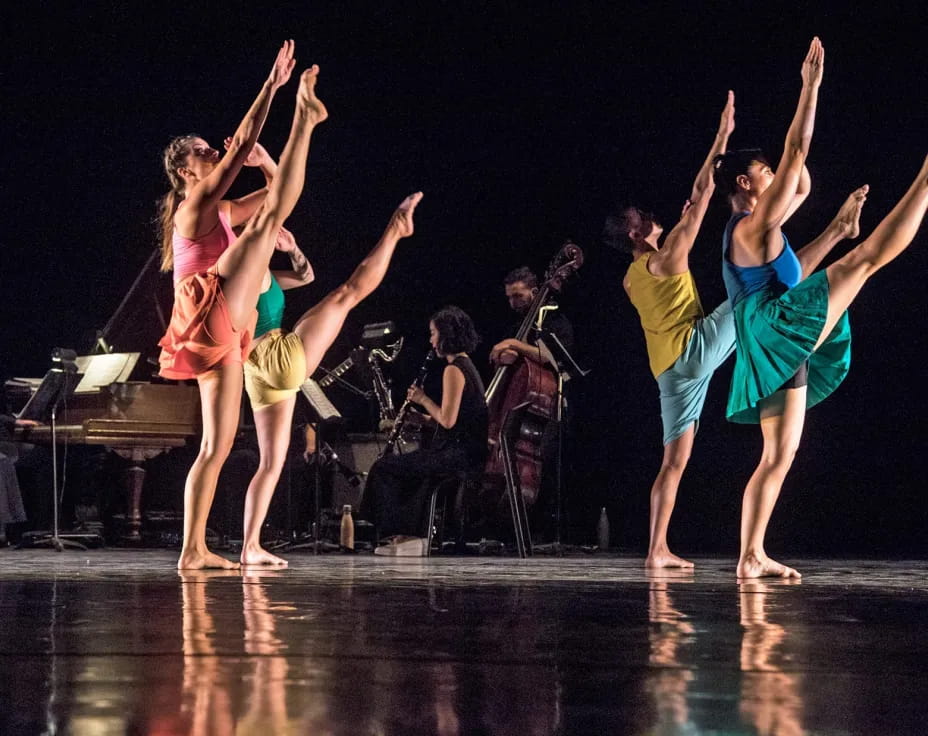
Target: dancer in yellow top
x,y
685,346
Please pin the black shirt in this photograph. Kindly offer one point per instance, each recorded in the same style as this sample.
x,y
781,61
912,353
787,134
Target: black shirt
x,y
555,323
470,429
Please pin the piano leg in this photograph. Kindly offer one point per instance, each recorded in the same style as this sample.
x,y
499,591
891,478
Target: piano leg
x,y
135,479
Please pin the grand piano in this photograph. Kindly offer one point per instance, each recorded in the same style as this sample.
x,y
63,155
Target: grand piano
x,y
137,418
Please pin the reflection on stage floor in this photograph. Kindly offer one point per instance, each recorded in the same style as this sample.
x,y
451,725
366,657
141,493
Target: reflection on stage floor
x,y
117,641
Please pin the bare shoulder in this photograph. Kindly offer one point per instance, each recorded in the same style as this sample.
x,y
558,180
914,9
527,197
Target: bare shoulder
x,y
668,262
453,372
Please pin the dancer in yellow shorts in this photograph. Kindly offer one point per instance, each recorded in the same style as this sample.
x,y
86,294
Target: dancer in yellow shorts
x,y
280,361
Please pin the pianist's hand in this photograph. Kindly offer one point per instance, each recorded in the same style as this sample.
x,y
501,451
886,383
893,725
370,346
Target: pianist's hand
x,y
26,423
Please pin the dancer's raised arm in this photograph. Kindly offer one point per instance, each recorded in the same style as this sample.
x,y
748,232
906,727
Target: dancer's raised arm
x,y
206,192
672,257
241,209
301,272
791,184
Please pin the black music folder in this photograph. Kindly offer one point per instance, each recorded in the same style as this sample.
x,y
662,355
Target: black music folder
x,y
57,386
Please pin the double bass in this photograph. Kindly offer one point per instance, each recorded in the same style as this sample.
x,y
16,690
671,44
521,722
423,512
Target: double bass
x,y
527,382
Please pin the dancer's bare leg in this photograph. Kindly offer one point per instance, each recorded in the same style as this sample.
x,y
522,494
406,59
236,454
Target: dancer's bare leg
x,y
272,424
319,327
892,236
781,421
244,264
220,396
664,496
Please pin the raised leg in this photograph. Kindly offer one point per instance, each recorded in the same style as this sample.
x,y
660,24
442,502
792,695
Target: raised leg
x,y
319,327
893,235
664,496
272,424
245,262
781,422
220,396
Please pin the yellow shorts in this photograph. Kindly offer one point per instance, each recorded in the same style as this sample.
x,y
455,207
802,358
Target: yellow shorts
x,y
275,370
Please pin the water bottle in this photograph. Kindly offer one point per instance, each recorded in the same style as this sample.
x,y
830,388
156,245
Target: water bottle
x,y
602,530
347,530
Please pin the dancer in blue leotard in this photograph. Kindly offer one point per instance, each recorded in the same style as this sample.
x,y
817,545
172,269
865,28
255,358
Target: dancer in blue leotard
x,y
792,334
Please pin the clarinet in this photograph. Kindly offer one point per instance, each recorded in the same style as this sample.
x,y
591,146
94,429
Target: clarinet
x,y
404,409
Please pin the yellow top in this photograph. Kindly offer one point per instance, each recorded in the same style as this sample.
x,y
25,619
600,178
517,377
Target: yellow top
x,y
668,307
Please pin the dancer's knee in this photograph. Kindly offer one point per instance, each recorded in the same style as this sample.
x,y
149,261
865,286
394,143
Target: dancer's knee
x,y
266,221
214,451
675,463
778,459
271,464
854,268
677,452
347,296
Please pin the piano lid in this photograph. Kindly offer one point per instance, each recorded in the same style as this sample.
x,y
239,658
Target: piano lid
x,y
138,322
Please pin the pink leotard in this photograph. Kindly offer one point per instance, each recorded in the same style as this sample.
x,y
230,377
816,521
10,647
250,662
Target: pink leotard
x,y
196,255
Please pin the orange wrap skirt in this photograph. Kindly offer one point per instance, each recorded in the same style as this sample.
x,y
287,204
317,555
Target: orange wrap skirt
x,y
200,337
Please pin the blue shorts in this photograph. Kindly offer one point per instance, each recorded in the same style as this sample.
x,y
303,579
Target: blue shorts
x,y
684,385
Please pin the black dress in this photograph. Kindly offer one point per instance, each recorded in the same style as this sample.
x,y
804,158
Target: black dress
x,y
398,490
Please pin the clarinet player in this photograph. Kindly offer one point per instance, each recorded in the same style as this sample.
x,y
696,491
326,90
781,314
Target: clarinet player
x,y
398,487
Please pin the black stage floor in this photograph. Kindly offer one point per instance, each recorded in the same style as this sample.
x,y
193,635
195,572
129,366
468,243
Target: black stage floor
x,y
116,642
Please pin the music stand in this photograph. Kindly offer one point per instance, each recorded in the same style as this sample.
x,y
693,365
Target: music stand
x,y
326,416
567,368
378,334
57,385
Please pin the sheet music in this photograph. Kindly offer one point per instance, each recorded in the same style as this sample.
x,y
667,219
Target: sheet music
x,y
319,401
104,369
547,356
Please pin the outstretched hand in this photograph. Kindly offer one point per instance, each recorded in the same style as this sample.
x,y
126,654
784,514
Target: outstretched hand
x,y
401,221
257,156
283,65
727,123
814,64
847,221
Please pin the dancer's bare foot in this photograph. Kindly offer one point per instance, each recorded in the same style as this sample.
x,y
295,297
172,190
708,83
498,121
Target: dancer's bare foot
x,y
306,97
260,556
847,221
754,566
401,220
665,559
202,560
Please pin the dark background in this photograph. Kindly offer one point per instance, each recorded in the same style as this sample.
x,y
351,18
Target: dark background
x,y
524,124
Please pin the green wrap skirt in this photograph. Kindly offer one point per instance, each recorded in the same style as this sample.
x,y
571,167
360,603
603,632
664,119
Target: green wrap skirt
x,y
776,334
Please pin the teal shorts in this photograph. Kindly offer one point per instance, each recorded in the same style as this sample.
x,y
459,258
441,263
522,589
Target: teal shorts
x,y
684,385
